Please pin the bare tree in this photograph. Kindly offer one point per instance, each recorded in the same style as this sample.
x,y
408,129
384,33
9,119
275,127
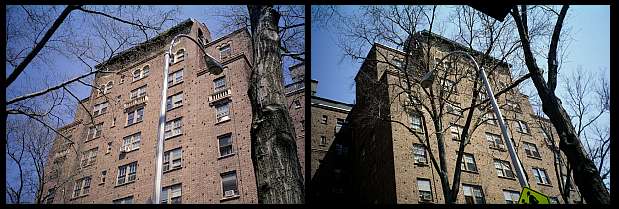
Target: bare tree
x,y
274,150
586,176
399,27
39,36
277,38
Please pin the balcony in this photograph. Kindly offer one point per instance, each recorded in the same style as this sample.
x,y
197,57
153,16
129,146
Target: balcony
x,y
136,101
219,95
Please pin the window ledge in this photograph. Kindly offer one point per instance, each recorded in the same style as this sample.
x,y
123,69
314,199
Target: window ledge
x,y
230,198
225,156
223,121
132,150
175,84
78,197
173,169
133,123
173,108
170,137
508,178
422,164
534,157
499,149
547,185
126,183
472,172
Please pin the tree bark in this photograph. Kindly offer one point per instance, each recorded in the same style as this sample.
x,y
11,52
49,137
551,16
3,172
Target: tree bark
x,y
586,176
274,149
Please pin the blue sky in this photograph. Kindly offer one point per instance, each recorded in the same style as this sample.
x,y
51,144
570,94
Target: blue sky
x,y
590,49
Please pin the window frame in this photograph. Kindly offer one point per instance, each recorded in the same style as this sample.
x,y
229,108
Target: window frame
x,y
505,169
538,177
125,173
422,192
464,164
134,116
220,115
473,195
231,144
531,150
493,143
511,194
173,128
132,141
176,77
417,148
217,84
170,158
173,102
236,184
169,191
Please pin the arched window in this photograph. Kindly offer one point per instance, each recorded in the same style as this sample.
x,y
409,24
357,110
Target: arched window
x,y
145,71
108,87
136,75
180,55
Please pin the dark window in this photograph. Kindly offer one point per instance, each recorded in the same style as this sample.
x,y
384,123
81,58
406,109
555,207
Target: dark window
x,y
225,145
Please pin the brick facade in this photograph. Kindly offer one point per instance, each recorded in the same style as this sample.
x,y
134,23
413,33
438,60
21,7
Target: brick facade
x,y
204,164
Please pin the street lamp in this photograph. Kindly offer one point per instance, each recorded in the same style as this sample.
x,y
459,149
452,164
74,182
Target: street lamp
x,y
426,82
213,67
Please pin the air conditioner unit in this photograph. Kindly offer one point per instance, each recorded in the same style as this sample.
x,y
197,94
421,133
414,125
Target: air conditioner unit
x,y
229,193
125,149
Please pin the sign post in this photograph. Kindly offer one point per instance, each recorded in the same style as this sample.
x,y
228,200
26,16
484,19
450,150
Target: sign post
x,y
529,196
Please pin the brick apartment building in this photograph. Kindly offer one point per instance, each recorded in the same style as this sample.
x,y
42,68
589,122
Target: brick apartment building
x,y
385,163
110,157
328,117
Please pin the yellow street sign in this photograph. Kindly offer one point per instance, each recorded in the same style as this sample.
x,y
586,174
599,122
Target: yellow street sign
x,y
529,196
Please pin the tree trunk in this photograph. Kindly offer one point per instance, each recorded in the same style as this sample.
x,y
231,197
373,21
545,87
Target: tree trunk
x,y
274,148
585,173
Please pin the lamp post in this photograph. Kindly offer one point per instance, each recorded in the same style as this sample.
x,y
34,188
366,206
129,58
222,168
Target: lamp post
x,y
427,80
213,67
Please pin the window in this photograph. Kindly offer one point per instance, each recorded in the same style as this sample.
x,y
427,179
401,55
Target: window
x,y
109,148
531,150
323,140
219,84
225,145
180,55
448,85
100,109
503,169
398,63
137,74
554,200
95,131
416,122
425,189
297,104
338,124
522,127
51,194
419,153
324,119
228,184
173,128
454,109
172,159
127,173
174,101
103,175
495,141
82,187
225,51
141,73
139,92
468,163
473,194
456,131
113,121
223,112
131,143
108,87
175,78
511,197
540,176
88,157
126,200
135,116
171,194
545,133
